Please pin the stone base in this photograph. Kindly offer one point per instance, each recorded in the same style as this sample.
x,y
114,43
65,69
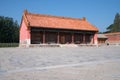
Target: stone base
x,y
56,45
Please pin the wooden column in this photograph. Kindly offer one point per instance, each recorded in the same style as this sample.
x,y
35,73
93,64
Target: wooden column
x,y
43,37
58,38
83,37
73,38
92,39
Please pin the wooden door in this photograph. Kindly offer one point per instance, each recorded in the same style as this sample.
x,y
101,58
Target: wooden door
x,y
62,39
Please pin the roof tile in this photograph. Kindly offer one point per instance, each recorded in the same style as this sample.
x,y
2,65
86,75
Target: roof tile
x,y
48,21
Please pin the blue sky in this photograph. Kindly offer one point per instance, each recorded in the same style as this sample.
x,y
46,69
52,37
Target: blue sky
x,y
98,12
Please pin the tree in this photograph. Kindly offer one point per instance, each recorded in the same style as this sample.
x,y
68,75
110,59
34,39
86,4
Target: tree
x,y
110,28
9,30
117,22
115,27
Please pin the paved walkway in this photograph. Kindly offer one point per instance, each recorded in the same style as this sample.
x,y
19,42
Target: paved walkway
x,y
58,66
76,63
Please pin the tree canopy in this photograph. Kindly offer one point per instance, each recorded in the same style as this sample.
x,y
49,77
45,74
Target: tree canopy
x,y
9,30
115,26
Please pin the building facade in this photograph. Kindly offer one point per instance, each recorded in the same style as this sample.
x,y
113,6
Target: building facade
x,y
47,29
102,39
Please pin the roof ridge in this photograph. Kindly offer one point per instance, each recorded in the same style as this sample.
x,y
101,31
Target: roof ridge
x,y
24,14
62,17
113,33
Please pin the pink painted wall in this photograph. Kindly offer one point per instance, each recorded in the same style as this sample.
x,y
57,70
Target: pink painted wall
x,y
24,32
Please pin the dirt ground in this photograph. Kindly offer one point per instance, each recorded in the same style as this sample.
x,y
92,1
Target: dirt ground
x,y
67,63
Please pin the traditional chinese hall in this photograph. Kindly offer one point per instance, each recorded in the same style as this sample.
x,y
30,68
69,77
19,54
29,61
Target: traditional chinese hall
x,y
48,29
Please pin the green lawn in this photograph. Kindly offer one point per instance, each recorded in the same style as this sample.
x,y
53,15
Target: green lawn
x,y
9,44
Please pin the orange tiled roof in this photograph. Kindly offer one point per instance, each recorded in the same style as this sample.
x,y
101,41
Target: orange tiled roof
x,y
47,21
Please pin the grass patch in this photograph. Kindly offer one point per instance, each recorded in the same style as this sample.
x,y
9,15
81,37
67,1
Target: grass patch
x,y
9,45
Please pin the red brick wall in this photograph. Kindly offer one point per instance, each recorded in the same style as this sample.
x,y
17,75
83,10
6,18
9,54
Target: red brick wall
x,y
113,38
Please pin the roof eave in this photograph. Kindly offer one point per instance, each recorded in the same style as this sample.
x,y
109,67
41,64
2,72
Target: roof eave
x,y
63,28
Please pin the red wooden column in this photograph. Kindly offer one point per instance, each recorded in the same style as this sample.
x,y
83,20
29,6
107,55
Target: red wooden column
x,y
43,37
58,38
83,37
73,38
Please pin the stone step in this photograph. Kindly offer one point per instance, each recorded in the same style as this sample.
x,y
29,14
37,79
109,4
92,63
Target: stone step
x,y
68,45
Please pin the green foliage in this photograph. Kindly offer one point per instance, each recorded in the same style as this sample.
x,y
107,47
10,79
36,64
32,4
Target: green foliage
x,y
9,30
100,32
115,27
